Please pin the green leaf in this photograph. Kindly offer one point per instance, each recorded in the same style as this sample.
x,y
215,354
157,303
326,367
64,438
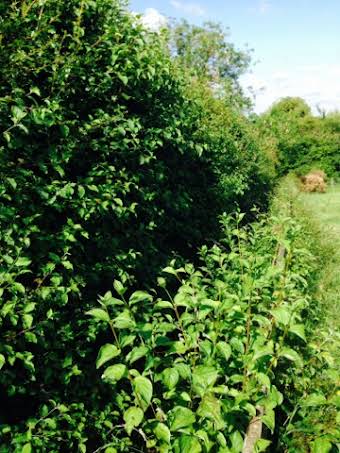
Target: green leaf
x,y
261,350
26,448
221,440
203,437
29,307
137,353
224,350
237,345
19,287
12,182
35,90
27,321
210,408
314,400
275,398
162,432
67,265
170,270
17,114
106,353
236,441
163,304
118,286
183,370
114,372
8,259
126,340
108,299
2,361
139,296
123,78
298,330
181,418
281,315
203,377
7,136
269,419
124,320
291,355
170,377
189,444
182,300
143,391
133,417
321,445
261,445
81,191
98,313
263,379
23,261
179,347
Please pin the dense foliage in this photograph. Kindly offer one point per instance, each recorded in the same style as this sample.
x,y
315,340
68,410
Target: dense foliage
x,y
230,340
117,159
109,166
303,141
207,53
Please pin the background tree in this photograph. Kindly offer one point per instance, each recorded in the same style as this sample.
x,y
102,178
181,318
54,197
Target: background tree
x,y
303,141
206,52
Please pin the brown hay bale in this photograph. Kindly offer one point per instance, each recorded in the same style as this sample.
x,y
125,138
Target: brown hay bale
x,y
314,181
320,173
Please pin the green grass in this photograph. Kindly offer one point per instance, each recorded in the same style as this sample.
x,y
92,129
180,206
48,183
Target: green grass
x,y
326,208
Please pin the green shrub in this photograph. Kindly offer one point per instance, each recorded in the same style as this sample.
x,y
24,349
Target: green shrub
x,y
303,142
105,173
184,369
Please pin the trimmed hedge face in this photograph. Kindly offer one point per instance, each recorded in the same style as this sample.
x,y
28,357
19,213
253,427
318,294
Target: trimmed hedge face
x,y
102,177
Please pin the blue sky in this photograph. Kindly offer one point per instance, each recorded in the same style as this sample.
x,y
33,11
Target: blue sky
x,y
296,43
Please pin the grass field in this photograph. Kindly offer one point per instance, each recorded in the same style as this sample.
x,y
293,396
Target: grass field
x,y
326,207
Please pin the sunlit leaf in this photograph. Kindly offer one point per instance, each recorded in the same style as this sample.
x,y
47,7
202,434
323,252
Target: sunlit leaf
x,y
143,390
106,353
99,314
181,417
114,372
133,417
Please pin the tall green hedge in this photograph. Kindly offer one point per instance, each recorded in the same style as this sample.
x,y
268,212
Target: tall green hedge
x,y
108,167
303,141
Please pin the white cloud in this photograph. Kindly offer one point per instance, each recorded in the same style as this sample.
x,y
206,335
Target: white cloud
x,y
262,7
153,20
192,9
318,85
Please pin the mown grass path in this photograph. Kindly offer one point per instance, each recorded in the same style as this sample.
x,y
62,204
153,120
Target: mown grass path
x,y
325,208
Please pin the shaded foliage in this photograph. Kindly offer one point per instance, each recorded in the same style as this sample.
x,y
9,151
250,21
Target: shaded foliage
x,y
108,167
